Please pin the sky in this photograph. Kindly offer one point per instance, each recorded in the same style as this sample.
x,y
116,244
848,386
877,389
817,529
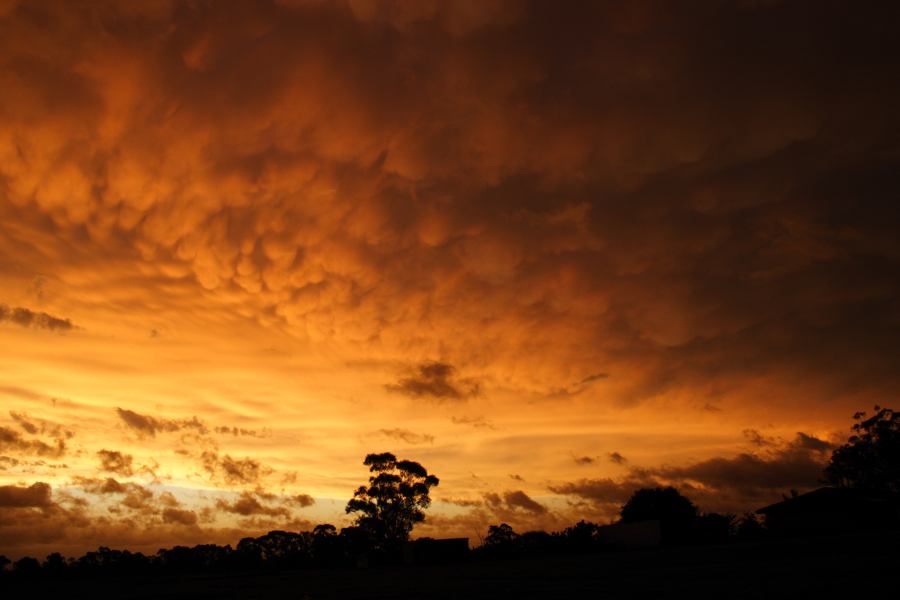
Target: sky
x,y
554,252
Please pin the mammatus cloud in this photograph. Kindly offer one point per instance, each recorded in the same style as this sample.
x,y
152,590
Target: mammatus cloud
x,y
435,380
37,320
407,436
532,192
428,218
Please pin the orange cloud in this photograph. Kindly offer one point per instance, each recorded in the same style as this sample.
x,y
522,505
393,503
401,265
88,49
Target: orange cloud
x,y
516,237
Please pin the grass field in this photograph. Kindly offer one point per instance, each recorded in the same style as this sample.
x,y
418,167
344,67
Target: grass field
x,y
850,567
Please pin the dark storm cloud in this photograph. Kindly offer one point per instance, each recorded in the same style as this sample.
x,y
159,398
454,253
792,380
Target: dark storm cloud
x,y
476,422
145,424
24,423
617,458
303,500
437,381
758,439
36,495
511,501
237,471
604,492
179,516
519,499
239,431
35,319
734,483
134,496
749,474
117,462
37,426
812,443
463,502
12,441
108,485
248,504
405,435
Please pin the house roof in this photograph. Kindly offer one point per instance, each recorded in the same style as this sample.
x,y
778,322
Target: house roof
x,y
827,499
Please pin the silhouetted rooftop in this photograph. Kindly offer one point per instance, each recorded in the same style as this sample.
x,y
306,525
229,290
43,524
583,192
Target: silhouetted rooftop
x,y
828,499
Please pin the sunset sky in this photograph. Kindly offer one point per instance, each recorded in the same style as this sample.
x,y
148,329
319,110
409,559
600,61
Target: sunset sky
x,y
554,251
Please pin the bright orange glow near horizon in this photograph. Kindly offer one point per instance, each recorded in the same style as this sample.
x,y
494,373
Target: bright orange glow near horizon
x,y
553,253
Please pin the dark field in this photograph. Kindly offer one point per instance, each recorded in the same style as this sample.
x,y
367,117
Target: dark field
x,y
800,569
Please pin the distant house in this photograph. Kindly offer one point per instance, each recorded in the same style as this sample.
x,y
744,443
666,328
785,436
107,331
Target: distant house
x,y
429,551
643,534
832,510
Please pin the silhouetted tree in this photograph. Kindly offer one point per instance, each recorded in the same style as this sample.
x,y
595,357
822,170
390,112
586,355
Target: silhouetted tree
x,y
663,504
248,553
27,567
4,562
393,501
749,528
713,528
581,537
54,565
211,557
500,535
537,543
677,515
871,457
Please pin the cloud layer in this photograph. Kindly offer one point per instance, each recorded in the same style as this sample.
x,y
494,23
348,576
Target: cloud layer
x,y
508,236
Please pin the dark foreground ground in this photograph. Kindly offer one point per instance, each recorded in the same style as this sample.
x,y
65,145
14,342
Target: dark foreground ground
x,y
848,567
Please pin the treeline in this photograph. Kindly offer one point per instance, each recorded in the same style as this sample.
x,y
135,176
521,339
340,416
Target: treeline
x,y
869,461
586,537
324,547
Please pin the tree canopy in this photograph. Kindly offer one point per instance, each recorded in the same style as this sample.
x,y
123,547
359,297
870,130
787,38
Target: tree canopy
x,y
394,501
870,459
664,504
